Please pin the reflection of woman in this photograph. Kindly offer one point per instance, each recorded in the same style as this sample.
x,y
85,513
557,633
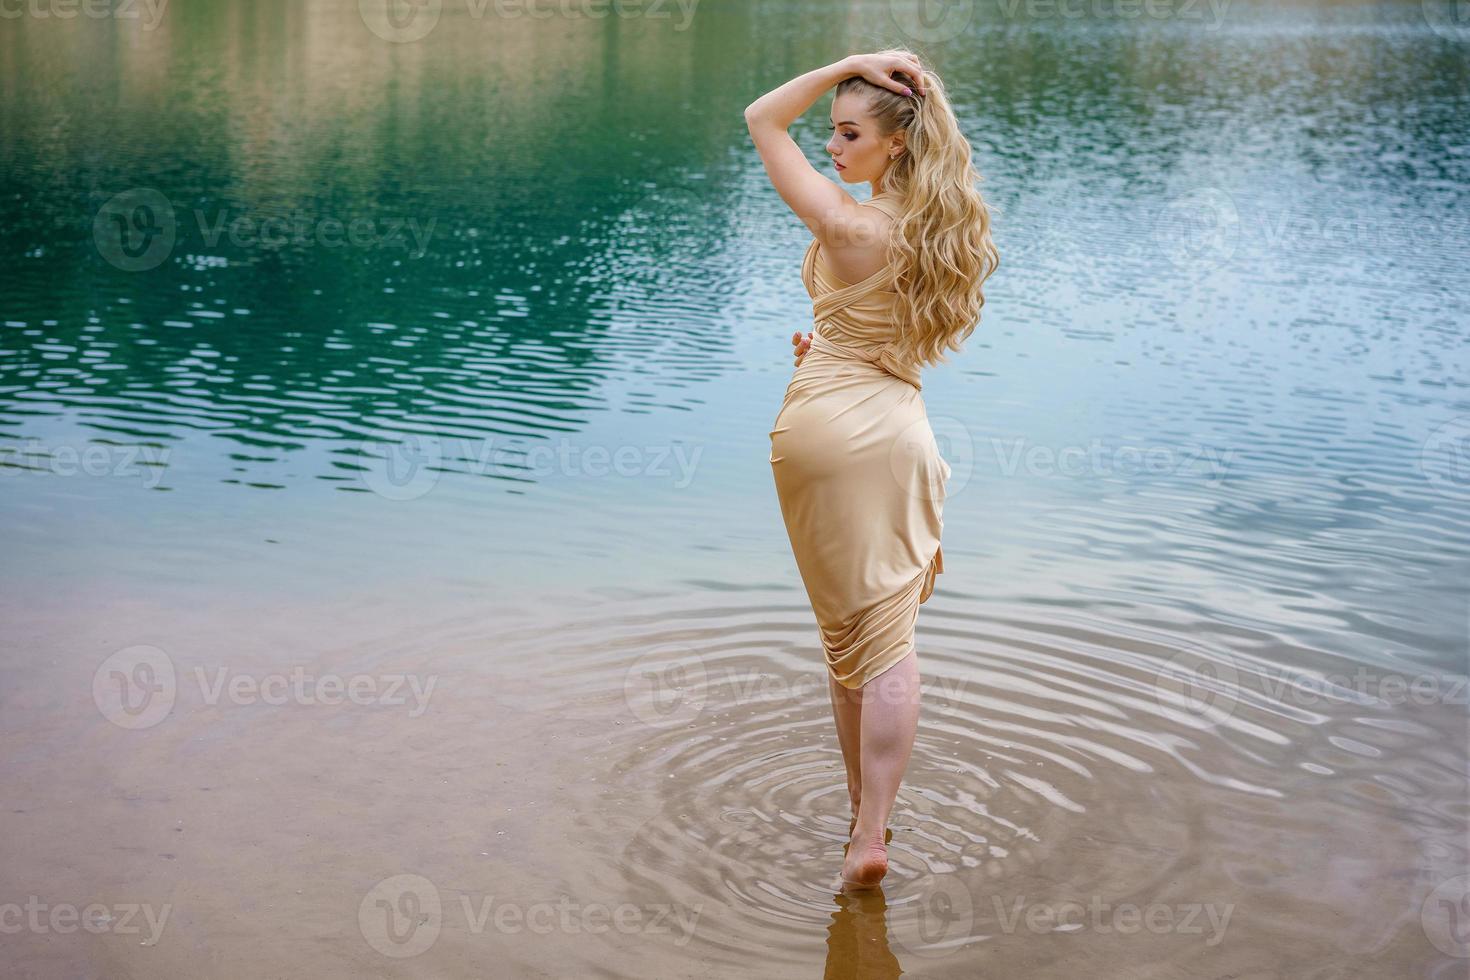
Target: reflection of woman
x,y
895,282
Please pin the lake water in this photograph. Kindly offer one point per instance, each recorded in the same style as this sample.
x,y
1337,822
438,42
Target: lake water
x,y
436,354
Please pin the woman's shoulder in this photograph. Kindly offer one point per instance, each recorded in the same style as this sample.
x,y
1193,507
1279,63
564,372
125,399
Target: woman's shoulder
x,y
887,203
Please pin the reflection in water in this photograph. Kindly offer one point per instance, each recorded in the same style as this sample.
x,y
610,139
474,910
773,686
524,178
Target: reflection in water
x,y
857,940
367,260
457,358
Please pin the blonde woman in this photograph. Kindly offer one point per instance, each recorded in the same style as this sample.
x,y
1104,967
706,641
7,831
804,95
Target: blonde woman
x,y
895,281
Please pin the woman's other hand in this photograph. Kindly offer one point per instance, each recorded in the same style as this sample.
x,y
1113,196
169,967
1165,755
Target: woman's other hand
x,y
800,345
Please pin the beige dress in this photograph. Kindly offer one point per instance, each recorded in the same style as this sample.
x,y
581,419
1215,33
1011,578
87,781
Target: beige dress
x,y
859,474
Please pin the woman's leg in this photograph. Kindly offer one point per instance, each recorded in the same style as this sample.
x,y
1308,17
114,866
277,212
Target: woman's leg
x,y
847,711
889,721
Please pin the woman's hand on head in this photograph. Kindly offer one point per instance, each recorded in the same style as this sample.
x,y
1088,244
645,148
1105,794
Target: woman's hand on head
x,y
879,67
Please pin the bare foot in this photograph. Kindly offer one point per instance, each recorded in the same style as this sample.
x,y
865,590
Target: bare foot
x,y
866,863
887,834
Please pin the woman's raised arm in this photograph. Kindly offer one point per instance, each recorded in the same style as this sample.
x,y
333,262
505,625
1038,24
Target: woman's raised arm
x,y
818,201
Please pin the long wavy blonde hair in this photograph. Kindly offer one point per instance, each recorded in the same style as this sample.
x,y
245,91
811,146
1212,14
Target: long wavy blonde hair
x,y
941,244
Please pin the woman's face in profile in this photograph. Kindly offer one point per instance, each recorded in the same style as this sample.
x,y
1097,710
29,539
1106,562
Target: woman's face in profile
x,y
857,150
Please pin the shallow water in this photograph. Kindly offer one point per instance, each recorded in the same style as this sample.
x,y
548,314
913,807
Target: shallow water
x,y
1201,643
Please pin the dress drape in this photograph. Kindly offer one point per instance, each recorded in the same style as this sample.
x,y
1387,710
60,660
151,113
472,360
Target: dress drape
x,y
858,473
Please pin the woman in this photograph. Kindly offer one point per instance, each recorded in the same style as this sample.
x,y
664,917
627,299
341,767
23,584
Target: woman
x,y
895,281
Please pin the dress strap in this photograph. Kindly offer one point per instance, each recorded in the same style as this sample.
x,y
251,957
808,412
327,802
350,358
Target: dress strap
x,y
884,357
829,306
